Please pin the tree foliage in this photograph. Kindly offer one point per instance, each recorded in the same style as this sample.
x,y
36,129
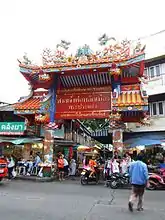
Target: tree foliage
x,y
96,124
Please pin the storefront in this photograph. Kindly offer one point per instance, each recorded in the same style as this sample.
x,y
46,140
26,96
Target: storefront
x,y
149,144
21,147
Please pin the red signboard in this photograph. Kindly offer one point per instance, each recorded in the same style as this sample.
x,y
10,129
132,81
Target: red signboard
x,y
83,103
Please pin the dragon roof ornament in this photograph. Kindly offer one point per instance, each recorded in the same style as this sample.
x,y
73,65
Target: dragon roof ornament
x,y
111,51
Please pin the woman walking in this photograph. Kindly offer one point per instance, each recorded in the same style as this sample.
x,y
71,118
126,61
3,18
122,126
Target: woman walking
x,y
61,167
11,165
73,168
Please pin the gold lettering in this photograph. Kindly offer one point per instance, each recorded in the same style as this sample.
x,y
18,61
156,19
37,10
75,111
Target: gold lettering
x,y
59,101
79,100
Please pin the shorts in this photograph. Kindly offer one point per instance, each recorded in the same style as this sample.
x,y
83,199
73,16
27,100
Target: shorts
x,y
66,168
61,169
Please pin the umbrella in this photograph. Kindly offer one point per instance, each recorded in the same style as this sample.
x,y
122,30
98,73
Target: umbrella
x,y
97,147
83,148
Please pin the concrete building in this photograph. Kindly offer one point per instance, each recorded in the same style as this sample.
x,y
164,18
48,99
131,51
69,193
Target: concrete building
x,y
155,70
137,134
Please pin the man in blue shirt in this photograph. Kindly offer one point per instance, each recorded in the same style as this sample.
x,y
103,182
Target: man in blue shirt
x,y
138,172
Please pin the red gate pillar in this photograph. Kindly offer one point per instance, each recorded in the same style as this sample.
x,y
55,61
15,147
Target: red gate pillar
x,y
117,140
117,127
48,145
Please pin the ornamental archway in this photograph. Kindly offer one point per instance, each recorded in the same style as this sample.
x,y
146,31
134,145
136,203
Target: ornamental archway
x,y
105,84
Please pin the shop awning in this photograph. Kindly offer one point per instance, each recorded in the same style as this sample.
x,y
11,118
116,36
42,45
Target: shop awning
x,y
18,141
145,138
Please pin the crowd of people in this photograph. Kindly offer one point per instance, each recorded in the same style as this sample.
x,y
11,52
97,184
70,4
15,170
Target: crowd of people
x,y
32,166
21,166
137,170
117,165
65,168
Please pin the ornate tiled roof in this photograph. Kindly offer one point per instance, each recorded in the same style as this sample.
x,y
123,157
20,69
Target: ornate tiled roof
x,y
30,104
130,98
110,51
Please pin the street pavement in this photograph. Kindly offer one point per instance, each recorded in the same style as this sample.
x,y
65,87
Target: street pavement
x,y
25,200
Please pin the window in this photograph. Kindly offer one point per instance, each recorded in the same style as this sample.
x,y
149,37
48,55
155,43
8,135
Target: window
x,y
145,72
157,70
157,108
154,109
154,71
150,109
160,108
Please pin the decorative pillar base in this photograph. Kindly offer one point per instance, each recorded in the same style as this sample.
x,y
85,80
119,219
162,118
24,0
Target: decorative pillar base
x,y
117,140
48,145
117,127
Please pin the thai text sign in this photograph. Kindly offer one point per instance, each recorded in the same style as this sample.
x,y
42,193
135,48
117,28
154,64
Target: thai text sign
x,y
83,103
12,128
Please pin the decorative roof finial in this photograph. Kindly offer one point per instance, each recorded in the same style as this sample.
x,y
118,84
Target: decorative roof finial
x,y
103,40
26,60
64,44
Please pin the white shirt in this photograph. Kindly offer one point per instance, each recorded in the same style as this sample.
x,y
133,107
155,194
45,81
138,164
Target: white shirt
x,y
115,167
11,163
124,167
65,162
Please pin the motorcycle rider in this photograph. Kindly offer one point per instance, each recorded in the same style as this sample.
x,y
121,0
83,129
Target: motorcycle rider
x,y
92,165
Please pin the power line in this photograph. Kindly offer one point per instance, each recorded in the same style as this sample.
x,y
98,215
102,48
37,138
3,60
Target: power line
x,y
150,35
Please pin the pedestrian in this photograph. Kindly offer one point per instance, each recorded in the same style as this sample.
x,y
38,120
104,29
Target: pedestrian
x,y
115,166
124,166
66,166
11,165
73,168
138,172
61,167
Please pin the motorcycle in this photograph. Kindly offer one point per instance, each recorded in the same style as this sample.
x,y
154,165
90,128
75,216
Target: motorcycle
x,y
156,181
3,169
85,176
119,180
107,177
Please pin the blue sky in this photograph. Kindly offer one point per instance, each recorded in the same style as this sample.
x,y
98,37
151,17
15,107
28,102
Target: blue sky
x,y
31,25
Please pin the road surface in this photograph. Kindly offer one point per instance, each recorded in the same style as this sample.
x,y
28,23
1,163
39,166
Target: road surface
x,y
24,200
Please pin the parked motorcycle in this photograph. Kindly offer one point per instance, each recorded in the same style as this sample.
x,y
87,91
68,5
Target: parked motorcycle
x,y
107,177
156,181
119,180
3,169
85,176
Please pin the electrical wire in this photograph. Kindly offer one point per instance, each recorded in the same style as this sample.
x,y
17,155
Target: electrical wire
x,y
150,35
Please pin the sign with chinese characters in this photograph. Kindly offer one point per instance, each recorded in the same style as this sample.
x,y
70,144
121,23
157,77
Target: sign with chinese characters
x,y
12,128
83,103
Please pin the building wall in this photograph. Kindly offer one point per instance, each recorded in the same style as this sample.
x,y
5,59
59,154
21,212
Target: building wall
x,y
156,79
155,85
157,124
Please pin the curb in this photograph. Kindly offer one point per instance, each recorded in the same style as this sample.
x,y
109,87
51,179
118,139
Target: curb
x,y
35,179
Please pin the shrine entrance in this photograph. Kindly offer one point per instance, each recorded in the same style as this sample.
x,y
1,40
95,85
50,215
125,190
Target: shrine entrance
x,y
106,84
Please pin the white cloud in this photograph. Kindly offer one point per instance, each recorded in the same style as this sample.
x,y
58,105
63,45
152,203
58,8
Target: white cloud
x,y
28,25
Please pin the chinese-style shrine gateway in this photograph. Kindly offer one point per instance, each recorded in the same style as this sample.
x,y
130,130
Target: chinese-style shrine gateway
x,y
105,84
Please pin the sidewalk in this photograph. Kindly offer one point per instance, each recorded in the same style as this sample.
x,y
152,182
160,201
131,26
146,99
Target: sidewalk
x,y
51,179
